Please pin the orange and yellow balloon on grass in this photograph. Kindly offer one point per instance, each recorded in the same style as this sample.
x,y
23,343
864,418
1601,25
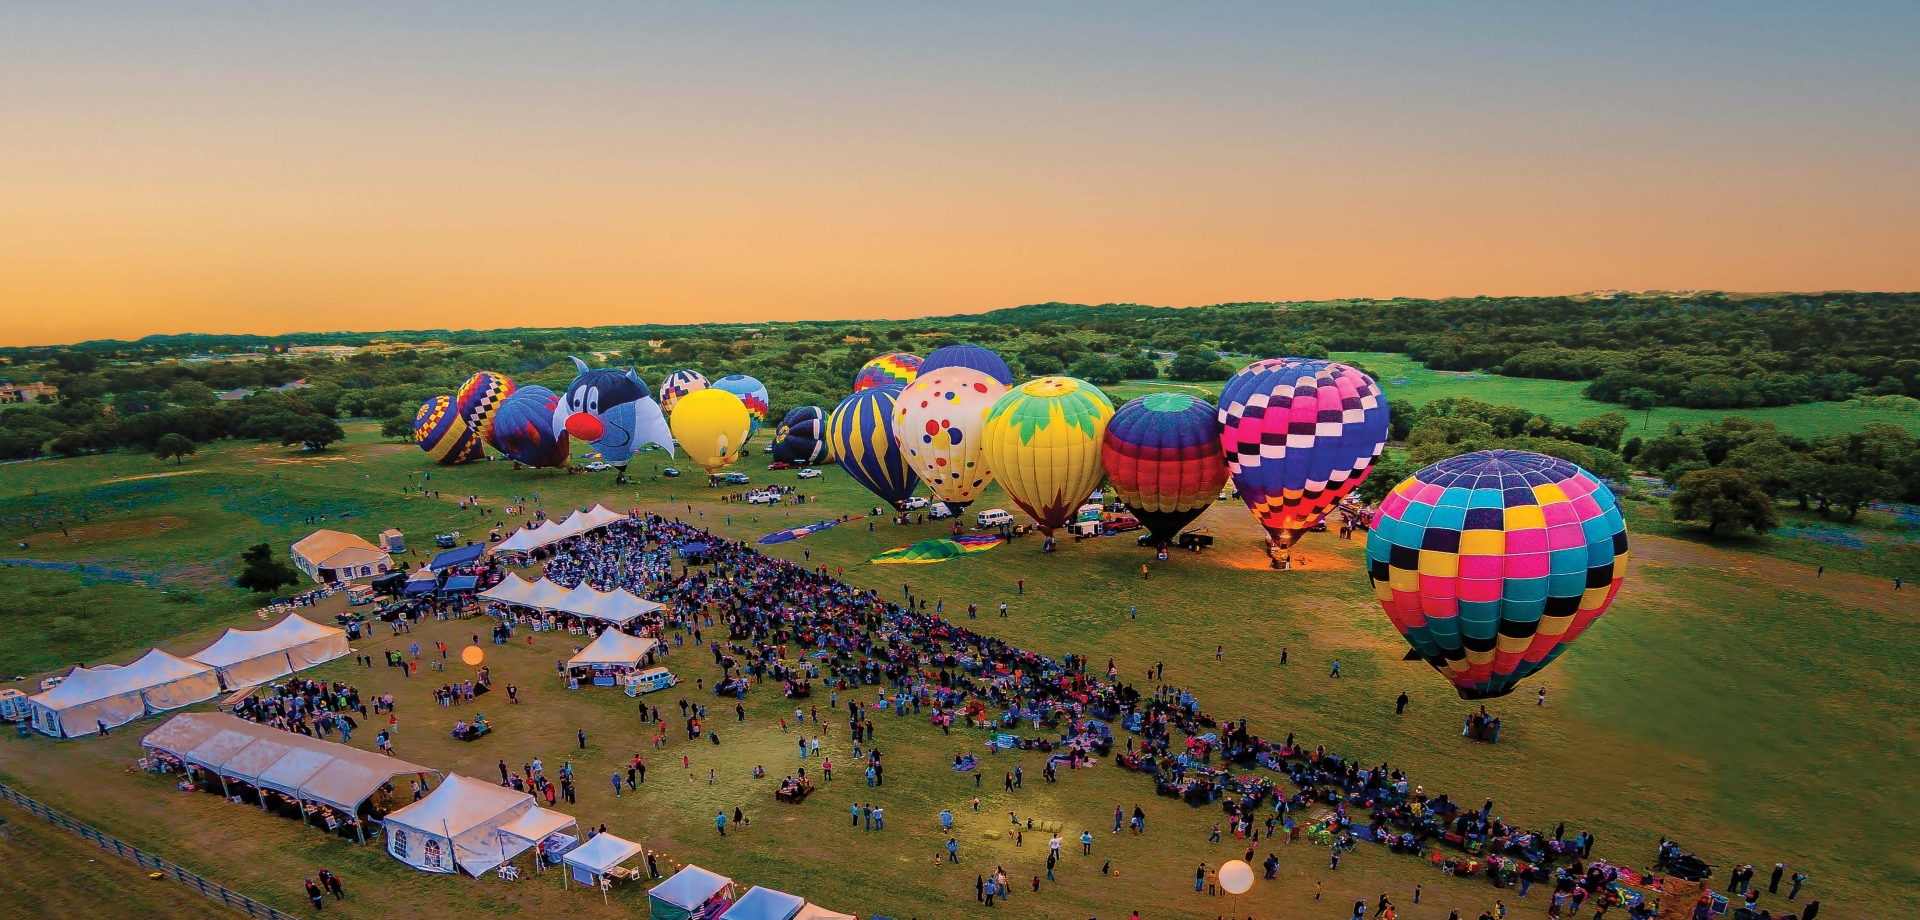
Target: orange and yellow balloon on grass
x,y
1043,442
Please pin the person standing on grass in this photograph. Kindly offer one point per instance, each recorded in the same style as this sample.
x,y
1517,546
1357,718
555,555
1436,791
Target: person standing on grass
x,y
720,822
332,883
314,895
1400,705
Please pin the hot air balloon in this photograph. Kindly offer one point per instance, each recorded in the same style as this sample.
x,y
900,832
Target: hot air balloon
x,y
1299,434
525,431
710,425
1491,563
443,434
1162,454
751,392
860,436
1043,441
969,356
612,409
897,368
801,437
939,420
678,384
477,400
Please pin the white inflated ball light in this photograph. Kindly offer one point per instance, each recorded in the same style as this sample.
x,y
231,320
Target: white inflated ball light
x,y
1236,877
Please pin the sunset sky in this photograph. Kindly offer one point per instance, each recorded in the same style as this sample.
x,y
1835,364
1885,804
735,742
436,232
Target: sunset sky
x,y
250,167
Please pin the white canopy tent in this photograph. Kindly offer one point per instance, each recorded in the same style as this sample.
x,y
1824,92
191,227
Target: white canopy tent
x,y
512,590
468,825
530,538
617,606
592,859
812,911
246,659
612,648
691,893
764,904
114,696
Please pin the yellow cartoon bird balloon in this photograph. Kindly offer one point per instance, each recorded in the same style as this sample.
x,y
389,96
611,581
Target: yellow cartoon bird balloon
x,y
938,419
711,425
1043,441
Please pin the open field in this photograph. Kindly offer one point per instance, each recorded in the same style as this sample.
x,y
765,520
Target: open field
x,y
1729,699
1562,400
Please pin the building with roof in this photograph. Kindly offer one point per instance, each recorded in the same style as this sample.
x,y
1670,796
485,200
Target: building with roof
x,y
329,555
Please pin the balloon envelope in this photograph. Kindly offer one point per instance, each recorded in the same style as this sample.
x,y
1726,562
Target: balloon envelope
x,y
1043,441
1236,877
478,399
710,425
896,368
969,356
443,434
678,384
940,421
802,436
612,410
860,436
1299,434
524,428
1491,563
1162,453
751,392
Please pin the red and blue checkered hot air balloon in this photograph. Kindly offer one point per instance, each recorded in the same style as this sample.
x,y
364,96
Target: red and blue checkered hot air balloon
x,y
478,399
1162,453
896,368
1299,434
1491,563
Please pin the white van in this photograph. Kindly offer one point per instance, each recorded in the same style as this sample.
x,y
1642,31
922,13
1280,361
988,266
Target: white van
x,y
648,681
992,517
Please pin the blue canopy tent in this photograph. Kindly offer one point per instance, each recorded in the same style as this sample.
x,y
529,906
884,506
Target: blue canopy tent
x,y
462,556
764,904
460,583
421,582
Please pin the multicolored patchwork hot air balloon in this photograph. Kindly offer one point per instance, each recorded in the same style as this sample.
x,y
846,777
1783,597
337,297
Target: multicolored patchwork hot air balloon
x,y
443,434
897,368
525,431
1299,434
1162,454
478,399
801,437
711,425
1491,563
974,357
940,419
680,383
860,436
1043,441
751,392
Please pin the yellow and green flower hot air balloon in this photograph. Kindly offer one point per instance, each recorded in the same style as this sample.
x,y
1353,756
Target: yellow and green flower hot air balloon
x,y
1043,442
711,424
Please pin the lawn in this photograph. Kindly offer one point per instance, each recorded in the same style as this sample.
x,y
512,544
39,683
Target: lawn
x,y
1730,699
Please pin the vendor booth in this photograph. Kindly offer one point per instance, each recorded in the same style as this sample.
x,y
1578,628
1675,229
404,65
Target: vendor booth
x,y
331,786
764,904
471,826
114,696
692,893
246,659
465,555
609,656
601,858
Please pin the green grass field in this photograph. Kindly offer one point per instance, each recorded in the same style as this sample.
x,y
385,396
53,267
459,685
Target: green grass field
x,y
1730,699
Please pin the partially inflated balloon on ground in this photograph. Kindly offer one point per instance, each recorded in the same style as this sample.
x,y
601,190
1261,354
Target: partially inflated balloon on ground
x,y
1043,441
612,409
752,393
860,436
801,437
897,368
1491,563
524,428
443,434
940,421
710,426
678,384
1299,434
973,357
478,399
1162,454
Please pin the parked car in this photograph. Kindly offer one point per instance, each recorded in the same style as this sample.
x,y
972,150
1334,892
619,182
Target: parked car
x,y
735,479
780,465
992,517
914,503
938,511
447,540
670,472
809,473
597,466
648,681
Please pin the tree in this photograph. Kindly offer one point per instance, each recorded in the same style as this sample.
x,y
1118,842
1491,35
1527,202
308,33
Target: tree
x,y
1095,369
173,446
314,432
1725,500
261,573
1851,486
1193,364
397,427
1388,471
1640,399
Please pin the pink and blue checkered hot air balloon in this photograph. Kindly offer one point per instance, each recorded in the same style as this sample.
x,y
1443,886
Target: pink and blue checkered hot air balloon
x,y
1299,434
1491,563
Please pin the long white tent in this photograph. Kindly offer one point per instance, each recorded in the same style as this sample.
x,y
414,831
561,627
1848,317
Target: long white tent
x,y
612,647
531,538
468,825
618,606
305,768
246,659
113,696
